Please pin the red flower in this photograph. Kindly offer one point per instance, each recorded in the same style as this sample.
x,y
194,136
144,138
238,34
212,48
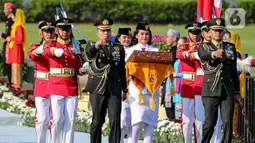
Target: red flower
x,y
30,103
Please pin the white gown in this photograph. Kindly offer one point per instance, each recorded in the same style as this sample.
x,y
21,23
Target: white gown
x,y
142,112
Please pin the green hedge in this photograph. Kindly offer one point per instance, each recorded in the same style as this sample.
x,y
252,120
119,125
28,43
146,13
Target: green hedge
x,y
120,10
125,11
249,7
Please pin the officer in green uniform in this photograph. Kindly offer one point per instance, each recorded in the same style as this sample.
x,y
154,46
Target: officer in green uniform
x,y
106,81
221,82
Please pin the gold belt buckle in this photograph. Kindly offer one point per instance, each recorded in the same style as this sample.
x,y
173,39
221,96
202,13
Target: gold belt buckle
x,y
66,71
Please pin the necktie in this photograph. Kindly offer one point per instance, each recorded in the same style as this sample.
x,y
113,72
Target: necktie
x,y
143,49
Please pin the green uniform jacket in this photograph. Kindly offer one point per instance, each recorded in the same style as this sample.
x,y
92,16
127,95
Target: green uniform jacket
x,y
219,72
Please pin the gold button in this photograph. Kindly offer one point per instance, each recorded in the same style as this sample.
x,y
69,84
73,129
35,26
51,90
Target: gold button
x,y
65,56
66,64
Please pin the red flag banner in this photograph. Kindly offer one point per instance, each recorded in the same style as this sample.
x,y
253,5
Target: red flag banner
x,y
207,8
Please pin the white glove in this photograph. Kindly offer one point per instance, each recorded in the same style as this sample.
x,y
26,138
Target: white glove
x,y
58,52
39,50
85,67
196,56
247,68
246,64
247,61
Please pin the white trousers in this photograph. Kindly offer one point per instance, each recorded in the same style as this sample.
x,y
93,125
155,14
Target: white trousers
x,y
136,132
64,109
125,131
216,138
192,111
42,118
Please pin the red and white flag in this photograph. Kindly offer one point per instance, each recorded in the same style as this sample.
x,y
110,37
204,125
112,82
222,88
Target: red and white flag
x,y
206,9
217,7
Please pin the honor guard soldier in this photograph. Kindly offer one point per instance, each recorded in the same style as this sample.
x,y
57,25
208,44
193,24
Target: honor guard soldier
x,y
41,66
106,81
191,111
220,83
9,9
63,85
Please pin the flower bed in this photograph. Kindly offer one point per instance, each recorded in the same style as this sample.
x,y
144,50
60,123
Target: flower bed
x,y
167,131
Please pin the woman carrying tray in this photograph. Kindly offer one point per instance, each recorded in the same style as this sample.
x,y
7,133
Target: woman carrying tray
x,y
144,78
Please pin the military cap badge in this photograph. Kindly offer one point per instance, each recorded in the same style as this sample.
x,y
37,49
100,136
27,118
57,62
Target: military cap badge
x,y
146,27
105,22
65,21
48,23
218,21
195,25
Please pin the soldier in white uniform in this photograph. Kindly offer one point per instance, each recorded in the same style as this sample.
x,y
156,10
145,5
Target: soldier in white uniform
x,y
142,116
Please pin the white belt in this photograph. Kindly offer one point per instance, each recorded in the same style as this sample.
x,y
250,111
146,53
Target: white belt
x,y
189,76
200,72
69,71
42,75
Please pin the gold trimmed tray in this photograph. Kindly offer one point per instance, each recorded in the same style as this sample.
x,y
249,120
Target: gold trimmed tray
x,y
150,57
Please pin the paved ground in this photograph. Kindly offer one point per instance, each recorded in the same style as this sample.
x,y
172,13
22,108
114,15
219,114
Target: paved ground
x,y
10,132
